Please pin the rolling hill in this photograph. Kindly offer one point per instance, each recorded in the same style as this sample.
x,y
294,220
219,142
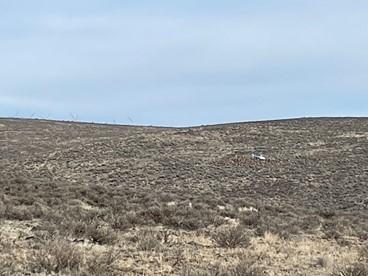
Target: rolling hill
x,y
126,200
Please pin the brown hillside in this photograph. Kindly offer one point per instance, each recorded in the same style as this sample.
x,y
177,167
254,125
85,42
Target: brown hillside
x,y
124,200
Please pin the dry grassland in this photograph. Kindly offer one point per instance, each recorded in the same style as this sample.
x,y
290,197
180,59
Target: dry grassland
x,y
86,199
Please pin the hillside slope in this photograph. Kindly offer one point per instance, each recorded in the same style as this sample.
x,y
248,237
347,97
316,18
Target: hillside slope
x,y
125,179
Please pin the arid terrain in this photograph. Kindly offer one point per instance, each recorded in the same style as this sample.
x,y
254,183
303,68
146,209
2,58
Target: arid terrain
x,y
88,199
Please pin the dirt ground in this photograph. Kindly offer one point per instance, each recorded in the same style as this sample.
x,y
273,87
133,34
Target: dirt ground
x,y
88,199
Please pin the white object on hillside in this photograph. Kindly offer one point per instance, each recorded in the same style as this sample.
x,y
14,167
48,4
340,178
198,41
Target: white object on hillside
x,y
258,156
246,209
170,204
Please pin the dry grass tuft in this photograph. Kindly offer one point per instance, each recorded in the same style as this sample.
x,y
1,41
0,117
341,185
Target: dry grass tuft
x,y
147,240
103,263
355,269
243,268
56,257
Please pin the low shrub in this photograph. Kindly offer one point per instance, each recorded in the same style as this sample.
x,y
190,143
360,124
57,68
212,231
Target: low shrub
x,y
56,257
147,240
100,234
246,268
102,264
119,222
95,231
231,237
326,213
355,269
251,220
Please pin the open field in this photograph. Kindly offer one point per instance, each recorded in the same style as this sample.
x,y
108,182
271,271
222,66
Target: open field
x,y
85,199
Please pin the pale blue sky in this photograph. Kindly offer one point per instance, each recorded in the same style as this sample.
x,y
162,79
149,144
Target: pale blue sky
x,y
180,63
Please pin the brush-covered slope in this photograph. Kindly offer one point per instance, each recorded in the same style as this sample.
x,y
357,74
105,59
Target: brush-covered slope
x,y
311,163
314,179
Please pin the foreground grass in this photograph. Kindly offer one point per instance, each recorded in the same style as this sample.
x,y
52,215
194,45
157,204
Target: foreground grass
x,y
56,233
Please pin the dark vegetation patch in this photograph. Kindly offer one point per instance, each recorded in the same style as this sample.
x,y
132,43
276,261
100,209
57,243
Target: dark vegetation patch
x,y
231,237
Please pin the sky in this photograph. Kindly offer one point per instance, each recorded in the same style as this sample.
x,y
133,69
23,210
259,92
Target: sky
x,y
183,63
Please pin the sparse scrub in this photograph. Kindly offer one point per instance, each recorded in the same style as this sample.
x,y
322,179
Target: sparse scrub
x,y
7,266
119,222
330,231
102,264
179,216
193,218
127,201
214,270
250,219
363,253
247,268
355,269
100,234
231,237
20,213
147,240
8,260
133,218
56,257
243,268
327,213
309,224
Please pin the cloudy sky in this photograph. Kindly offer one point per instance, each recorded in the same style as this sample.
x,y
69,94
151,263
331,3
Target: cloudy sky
x,y
179,63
